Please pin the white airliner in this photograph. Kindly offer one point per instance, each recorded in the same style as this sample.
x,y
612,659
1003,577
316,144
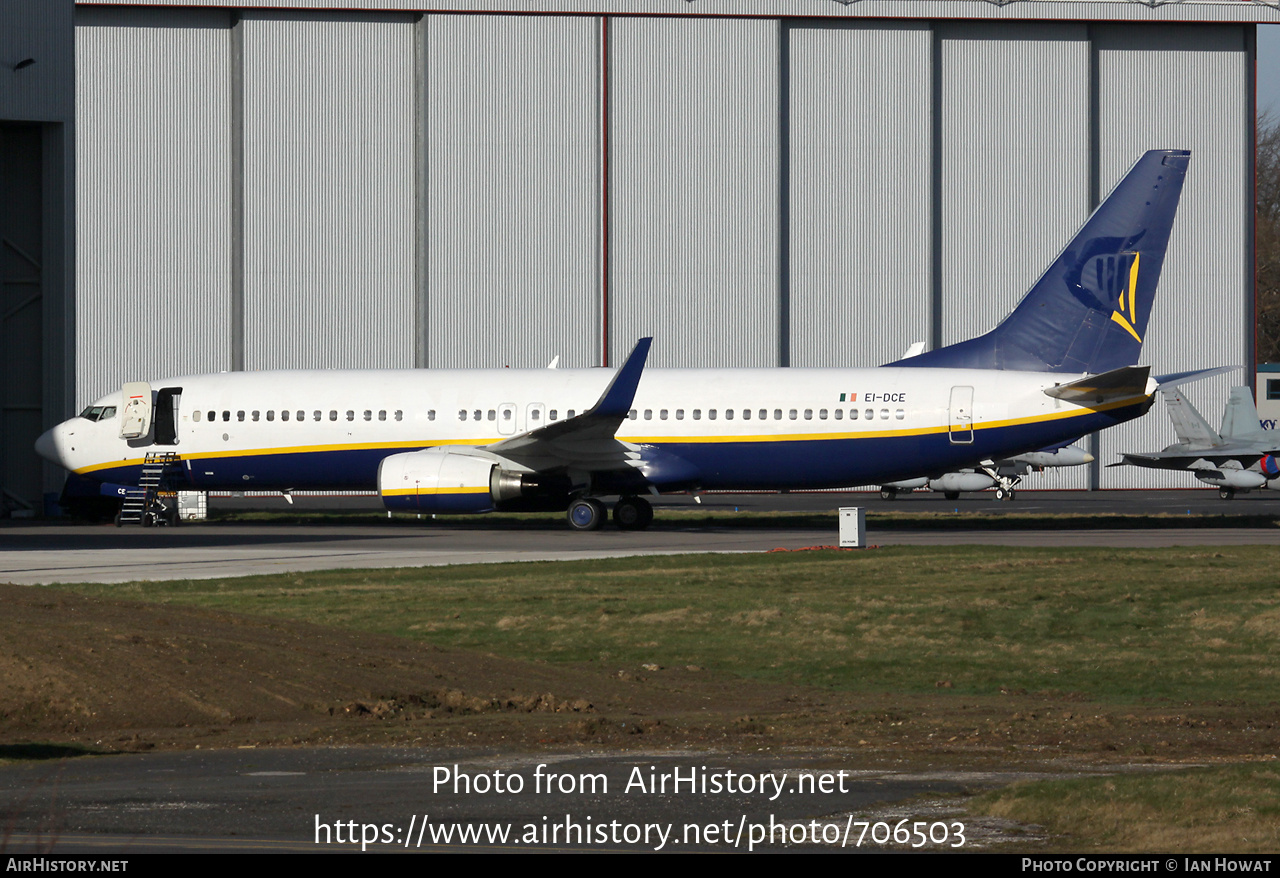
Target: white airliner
x,y
1061,365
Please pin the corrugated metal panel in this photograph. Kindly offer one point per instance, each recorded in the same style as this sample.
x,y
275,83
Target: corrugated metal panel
x,y
1015,163
41,31
513,191
153,196
694,190
1183,88
1014,171
1077,10
328,164
859,189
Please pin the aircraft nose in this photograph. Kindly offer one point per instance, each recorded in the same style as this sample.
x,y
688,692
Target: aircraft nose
x,y
47,446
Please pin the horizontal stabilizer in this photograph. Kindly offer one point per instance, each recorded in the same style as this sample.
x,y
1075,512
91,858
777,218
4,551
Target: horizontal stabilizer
x,y
1123,383
1177,379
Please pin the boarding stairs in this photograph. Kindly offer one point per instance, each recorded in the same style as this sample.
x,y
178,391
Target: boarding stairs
x,y
142,505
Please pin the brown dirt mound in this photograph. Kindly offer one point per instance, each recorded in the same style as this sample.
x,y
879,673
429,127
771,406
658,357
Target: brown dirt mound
x,y
121,675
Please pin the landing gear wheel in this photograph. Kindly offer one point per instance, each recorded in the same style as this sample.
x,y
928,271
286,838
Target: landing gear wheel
x,y
119,523
148,519
951,495
1004,493
632,513
887,493
586,514
1226,493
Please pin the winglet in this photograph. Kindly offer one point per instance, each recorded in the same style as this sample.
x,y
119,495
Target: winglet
x,y
616,400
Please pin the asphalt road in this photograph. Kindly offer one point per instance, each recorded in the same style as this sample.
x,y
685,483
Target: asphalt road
x,y
46,553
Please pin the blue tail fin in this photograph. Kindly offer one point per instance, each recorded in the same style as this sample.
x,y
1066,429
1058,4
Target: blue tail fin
x,y
1089,310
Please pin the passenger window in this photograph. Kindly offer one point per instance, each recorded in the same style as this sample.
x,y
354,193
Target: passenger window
x,y
746,414
632,414
475,415
284,415
679,414
839,413
764,414
728,414
351,416
853,414
899,414
570,414
333,414
792,414
213,416
555,415
271,414
777,414
822,414
254,415
382,415
399,414
431,415
663,414
697,414
808,414
869,414
226,416
493,414
648,414
368,414
884,414
302,416
711,415
506,414
535,415
240,416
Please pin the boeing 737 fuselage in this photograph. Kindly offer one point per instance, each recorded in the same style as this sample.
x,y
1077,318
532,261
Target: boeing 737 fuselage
x,y
1059,366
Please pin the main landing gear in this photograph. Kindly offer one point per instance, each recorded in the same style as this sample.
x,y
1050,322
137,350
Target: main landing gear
x,y
629,513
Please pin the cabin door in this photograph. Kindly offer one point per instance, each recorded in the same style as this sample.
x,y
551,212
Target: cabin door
x,y
960,416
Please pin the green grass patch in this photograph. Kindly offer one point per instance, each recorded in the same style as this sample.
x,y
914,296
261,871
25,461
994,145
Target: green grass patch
x,y
1182,624
994,516
1200,811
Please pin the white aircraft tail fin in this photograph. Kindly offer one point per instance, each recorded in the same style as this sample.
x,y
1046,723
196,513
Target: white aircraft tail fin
x,y
1188,423
1240,419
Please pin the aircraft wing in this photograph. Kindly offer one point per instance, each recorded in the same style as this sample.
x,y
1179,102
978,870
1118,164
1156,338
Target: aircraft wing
x,y
1182,460
585,441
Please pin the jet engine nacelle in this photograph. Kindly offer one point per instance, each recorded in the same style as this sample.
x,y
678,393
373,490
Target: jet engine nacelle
x,y
461,481
1239,479
962,482
436,480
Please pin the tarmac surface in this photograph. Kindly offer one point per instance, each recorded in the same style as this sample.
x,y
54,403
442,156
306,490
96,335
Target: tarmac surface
x,y
401,799
47,553
321,798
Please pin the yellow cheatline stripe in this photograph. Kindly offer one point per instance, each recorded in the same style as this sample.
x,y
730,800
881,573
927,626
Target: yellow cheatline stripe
x,y
399,492
877,434
646,440
296,449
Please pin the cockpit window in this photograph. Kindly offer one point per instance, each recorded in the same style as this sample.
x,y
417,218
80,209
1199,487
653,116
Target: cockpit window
x,y
98,412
